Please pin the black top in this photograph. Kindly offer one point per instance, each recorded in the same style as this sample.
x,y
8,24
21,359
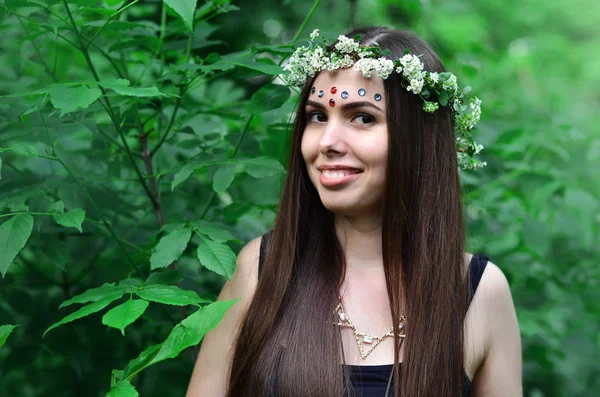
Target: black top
x,y
372,380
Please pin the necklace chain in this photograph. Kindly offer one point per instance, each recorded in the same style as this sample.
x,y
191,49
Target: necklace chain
x,y
344,321
362,337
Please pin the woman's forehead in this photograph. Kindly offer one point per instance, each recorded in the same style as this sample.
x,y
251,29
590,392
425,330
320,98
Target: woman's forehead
x,y
346,85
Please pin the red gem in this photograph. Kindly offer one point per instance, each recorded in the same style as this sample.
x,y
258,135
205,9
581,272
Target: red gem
x,y
333,90
331,102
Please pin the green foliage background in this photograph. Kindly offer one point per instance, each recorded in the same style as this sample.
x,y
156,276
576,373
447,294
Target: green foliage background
x,y
143,142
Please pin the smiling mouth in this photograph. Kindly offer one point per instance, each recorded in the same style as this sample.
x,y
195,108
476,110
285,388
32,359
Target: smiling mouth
x,y
337,174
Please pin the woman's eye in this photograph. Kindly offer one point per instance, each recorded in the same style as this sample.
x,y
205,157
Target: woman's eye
x,y
316,117
363,119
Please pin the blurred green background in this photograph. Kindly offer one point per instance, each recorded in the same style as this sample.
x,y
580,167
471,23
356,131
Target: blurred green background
x,y
535,210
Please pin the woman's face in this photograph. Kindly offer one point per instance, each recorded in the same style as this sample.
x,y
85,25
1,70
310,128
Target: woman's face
x,y
345,141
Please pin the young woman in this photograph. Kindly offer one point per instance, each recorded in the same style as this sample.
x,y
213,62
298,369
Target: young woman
x,y
363,287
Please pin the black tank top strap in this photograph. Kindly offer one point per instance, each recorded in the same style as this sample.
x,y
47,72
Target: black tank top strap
x,y
476,268
264,243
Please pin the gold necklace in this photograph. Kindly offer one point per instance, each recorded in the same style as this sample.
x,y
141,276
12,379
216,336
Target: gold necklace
x,y
362,337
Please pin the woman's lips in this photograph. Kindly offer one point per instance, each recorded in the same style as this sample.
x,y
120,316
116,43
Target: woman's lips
x,y
335,181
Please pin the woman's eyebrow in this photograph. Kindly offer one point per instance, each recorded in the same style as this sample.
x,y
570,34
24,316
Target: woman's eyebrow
x,y
346,106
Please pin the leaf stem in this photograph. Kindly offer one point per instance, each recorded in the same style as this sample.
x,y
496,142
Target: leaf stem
x,y
235,152
100,213
305,22
120,10
108,107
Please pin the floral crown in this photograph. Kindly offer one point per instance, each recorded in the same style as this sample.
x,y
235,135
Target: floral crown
x,y
434,88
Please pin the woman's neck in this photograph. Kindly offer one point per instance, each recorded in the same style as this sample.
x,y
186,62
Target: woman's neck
x,y
360,239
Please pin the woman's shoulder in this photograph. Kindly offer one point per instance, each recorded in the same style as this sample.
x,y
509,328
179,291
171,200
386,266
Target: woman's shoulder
x,y
244,279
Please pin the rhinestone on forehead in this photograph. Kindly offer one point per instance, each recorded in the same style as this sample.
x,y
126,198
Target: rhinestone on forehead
x,y
344,94
378,97
320,94
312,90
362,92
331,102
333,90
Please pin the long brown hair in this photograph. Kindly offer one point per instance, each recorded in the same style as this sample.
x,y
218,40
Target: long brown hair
x,y
286,345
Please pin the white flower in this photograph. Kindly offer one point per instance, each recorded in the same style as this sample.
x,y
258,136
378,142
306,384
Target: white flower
x,y
434,78
346,45
314,34
365,66
345,62
450,83
383,67
416,86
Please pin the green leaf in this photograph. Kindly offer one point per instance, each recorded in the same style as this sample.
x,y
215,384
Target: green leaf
x,y
223,177
214,61
112,3
443,98
214,231
170,295
0,168
86,311
264,166
5,331
14,234
217,257
140,362
123,389
116,377
95,294
68,99
191,330
73,218
25,150
164,277
170,248
121,87
268,97
57,208
121,316
185,173
264,65
185,9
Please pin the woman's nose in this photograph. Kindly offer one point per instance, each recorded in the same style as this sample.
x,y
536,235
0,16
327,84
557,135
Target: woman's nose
x,y
333,140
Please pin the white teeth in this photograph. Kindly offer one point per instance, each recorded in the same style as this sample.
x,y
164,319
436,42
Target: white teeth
x,y
334,174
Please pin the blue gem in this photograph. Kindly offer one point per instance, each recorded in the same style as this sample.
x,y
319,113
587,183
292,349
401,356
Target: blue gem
x,y
312,90
320,94
344,94
378,97
362,92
